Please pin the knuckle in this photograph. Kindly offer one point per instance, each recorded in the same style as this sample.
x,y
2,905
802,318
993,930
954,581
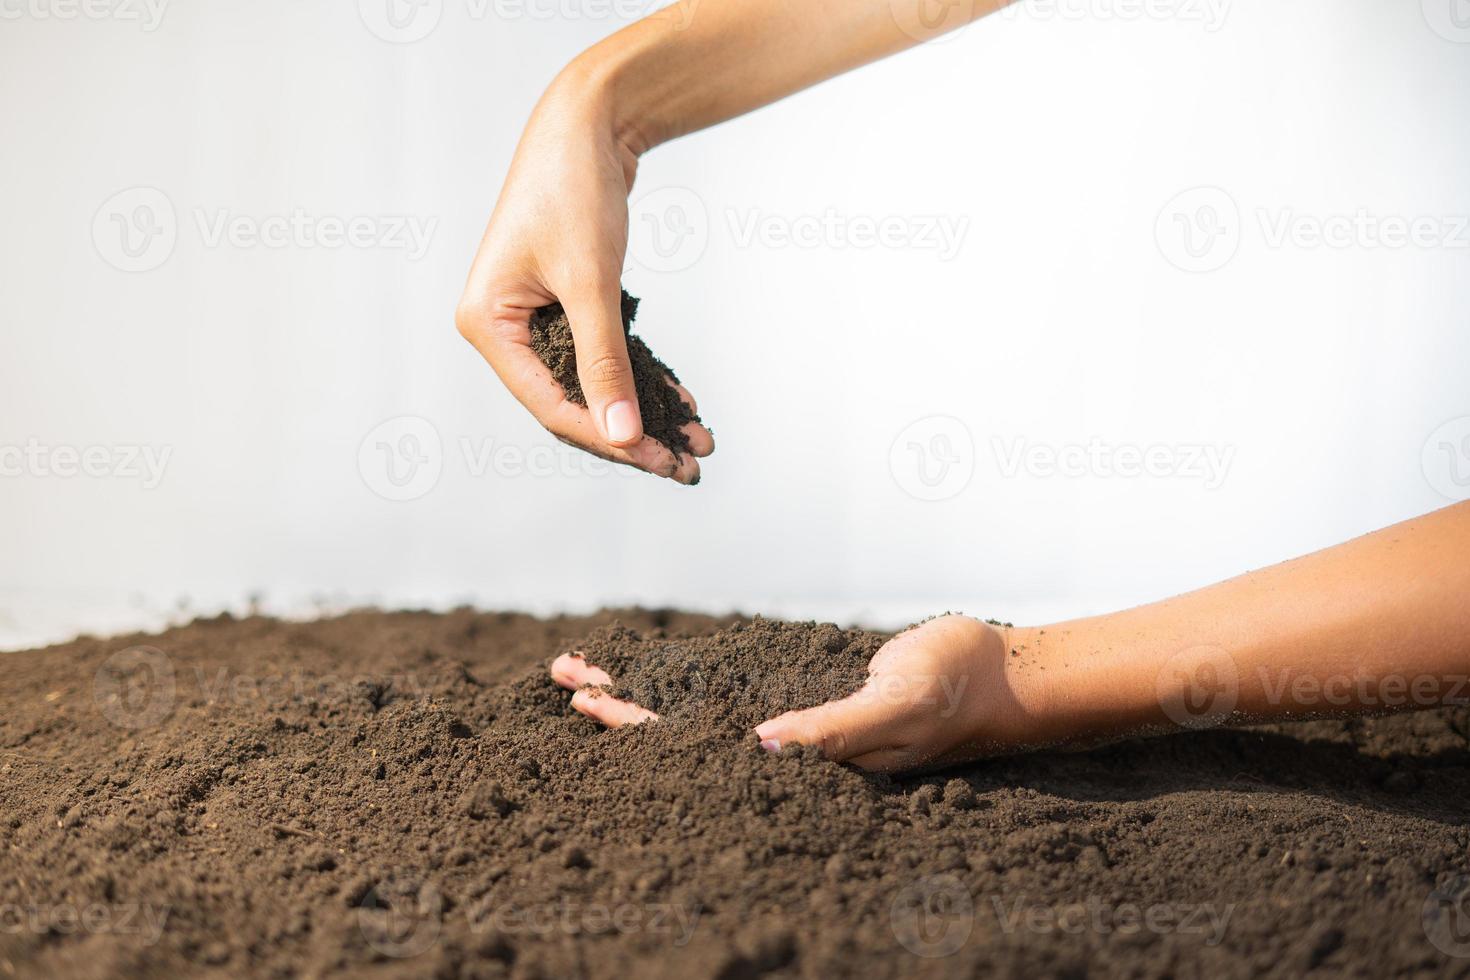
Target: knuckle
x,y
834,744
604,370
469,319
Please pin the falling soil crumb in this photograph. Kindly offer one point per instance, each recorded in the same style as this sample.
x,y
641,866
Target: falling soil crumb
x,y
409,794
664,412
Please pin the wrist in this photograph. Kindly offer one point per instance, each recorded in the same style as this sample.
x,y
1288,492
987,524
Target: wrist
x,y
605,82
1033,679
1074,691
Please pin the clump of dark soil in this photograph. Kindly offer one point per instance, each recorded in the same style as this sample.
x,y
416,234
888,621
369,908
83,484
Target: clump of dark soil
x,y
664,413
410,795
732,680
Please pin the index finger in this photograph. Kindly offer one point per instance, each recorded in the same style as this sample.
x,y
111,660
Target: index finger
x,y
573,672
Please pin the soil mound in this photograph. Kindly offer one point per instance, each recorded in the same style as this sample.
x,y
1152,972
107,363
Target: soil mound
x,y
730,681
410,795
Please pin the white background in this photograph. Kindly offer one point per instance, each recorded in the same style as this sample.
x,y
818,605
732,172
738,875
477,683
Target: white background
x,y
1057,135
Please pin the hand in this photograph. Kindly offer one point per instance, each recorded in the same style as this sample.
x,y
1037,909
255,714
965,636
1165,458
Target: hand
x,y
940,693
560,233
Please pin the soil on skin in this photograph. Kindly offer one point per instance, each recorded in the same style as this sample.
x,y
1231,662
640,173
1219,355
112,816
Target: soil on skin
x,y
664,412
409,794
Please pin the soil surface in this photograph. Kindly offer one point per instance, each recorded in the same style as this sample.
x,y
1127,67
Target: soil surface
x,y
409,794
664,412
727,682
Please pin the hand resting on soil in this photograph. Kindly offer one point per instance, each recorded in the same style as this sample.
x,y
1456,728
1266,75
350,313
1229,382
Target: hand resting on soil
x,y
1372,626
935,695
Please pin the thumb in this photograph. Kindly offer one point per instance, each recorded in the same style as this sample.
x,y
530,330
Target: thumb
x,y
602,365
854,726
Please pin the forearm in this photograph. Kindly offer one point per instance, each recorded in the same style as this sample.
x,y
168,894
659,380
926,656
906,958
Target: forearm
x,y
701,62
1378,624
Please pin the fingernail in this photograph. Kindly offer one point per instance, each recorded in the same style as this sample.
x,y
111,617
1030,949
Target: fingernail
x,y
771,744
622,421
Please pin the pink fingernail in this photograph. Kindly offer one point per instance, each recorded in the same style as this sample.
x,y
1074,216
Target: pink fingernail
x,y
771,744
622,421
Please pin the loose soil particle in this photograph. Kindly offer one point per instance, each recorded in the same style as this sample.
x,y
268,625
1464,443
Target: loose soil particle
x,y
409,795
731,681
664,412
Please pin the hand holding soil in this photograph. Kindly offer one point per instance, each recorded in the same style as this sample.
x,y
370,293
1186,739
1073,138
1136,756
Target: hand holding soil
x,y
558,235
937,694
667,409
559,232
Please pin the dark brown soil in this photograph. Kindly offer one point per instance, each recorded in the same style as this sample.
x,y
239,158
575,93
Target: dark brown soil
x,y
664,412
731,681
409,794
